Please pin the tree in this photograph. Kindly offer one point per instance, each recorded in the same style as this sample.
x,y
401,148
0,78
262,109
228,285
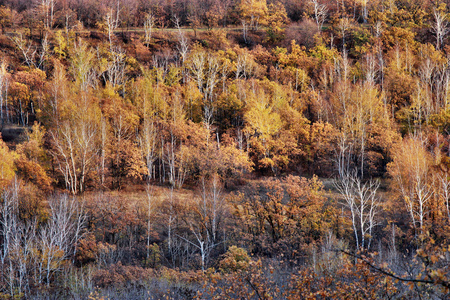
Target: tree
x,y
440,27
34,250
76,142
183,43
344,24
276,21
32,160
206,223
148,142
82,66
60,235
282,216
34,56
7,167
112,22
205,70
47,9
6,16
152,206
123,152
410,170
361,199
8,218
4,84
149,25
361,111
114,66
320,13
443,192
263,123
253,12
17,242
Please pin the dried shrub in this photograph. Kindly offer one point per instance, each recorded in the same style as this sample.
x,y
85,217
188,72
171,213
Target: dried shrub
x,y
302,32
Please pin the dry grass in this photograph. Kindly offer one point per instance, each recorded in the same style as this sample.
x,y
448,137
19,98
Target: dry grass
x,y
134,194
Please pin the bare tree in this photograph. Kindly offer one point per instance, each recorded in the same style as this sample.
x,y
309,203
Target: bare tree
x,y
148,142
370,69
22,258
32,254
8,220
174,158
320,13
344,153
64,154
43,53
204,69
423,102
378,28
212,73
344,25
245,66
149,23
196,66
18,241
443,191
61,233
361,199
364,11
245,31
440,27
47,8
34,56
211,208
170,218
75,148
173,153
115,67
112,22
225,70
183,43
4,83
103,151
206,220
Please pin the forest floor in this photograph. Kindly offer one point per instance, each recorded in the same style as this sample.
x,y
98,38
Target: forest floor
x,y
138,193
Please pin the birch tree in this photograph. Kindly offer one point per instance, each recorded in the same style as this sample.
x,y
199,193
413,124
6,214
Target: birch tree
x,y
60,234
410,170
149,25
183,42
4,83
112,22
320,13
364,205
205,223
33,251
443,192
440,27
253,12
75,146
47,8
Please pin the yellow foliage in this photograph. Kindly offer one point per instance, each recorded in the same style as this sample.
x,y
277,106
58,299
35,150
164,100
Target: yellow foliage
x,y
297,57
261,118
7,167
276,21
61,44
254,11
234,260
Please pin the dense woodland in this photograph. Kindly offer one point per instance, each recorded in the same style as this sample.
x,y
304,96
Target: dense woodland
x,y
232,149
